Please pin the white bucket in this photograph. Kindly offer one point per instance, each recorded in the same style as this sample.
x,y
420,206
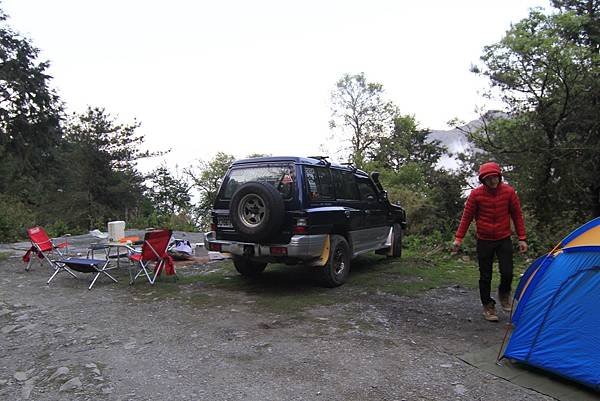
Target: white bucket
x,y
116,230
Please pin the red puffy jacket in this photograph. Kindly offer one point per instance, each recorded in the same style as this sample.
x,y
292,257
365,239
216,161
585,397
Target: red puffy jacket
x,y
492,210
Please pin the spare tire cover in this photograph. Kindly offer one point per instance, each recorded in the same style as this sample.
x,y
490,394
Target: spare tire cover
x,y
256,211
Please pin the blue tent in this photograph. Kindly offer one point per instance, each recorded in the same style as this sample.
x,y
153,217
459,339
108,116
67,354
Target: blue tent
x,y
557,316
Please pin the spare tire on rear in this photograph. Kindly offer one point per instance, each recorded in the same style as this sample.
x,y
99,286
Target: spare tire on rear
x,y
256,211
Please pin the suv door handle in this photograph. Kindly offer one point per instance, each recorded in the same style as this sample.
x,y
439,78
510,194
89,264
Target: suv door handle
x,y
368,212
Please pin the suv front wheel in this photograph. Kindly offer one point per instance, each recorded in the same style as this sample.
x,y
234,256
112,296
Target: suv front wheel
x,y
396,241
248,268
336,270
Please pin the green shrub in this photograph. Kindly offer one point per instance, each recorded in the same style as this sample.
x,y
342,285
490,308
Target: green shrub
x,y
436,242
14,219
179,222
59,228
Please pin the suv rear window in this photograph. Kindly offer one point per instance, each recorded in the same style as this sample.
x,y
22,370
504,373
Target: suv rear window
x,y
280,177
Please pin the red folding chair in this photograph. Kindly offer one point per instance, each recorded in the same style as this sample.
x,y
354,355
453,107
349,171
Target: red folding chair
x,y
43,247
153,252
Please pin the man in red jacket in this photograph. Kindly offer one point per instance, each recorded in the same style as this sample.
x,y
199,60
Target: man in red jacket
x,y
493,204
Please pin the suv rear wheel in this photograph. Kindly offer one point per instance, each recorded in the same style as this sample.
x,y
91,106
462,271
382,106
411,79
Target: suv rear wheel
x,y
256,211
248,268
336,270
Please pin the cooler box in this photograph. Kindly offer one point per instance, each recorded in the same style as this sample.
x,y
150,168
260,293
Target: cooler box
x,y
116,230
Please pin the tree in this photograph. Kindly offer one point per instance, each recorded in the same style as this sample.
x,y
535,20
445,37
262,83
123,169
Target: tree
x,y
208,181
547,71
358,105
407,160
105,183
255,155
169,194
30,115
589,12
408,144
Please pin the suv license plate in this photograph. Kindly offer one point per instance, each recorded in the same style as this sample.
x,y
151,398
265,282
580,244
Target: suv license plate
x,y
224,222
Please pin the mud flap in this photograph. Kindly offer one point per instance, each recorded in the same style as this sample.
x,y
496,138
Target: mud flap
x,y
390,241
388,248
322,261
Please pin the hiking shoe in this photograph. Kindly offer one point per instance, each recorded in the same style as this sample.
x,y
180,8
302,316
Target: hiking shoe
x,y
489,313
505,301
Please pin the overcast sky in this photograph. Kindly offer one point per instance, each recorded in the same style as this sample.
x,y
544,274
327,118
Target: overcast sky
x,y
256,76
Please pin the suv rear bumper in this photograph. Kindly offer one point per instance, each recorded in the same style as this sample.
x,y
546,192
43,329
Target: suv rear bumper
x,y
304,247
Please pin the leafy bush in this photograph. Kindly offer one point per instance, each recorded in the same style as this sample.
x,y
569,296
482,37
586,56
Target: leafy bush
x,y
542,237
436,242
14,218
178,222
59,228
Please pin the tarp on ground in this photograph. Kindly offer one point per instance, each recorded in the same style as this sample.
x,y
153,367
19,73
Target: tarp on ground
x,y
530,378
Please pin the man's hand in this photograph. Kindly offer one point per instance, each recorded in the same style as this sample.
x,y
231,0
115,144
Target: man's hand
x,y
522,246
455,247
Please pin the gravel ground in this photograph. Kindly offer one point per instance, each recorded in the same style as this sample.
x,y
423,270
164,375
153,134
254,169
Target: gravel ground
x,y
120,342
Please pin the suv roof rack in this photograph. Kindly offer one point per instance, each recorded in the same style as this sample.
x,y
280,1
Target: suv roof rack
x,y
322,159
350,165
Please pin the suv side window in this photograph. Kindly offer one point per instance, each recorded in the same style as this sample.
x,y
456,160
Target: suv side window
x,y
367,192
318,183
345,186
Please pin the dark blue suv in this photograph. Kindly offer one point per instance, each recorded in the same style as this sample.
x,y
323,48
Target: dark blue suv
x,y
302,210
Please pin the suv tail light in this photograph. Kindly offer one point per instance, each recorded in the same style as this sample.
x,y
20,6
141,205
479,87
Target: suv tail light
x,y
301,226
213,227
299,230
278,251
214,247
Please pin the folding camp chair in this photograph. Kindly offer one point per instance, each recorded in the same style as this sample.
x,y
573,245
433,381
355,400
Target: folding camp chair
x,y
154,251
83,265
43,247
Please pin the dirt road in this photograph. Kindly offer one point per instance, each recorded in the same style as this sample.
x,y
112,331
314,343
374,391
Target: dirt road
x,y
195,340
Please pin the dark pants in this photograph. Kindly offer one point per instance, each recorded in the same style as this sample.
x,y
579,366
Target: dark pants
x,y
486,250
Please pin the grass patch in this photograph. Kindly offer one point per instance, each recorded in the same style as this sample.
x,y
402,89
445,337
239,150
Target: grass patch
x,y
199,298
290,290
417,272
4,256
164,288
280,289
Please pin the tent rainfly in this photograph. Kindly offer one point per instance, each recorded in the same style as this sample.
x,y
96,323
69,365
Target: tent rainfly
x,y
557,316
